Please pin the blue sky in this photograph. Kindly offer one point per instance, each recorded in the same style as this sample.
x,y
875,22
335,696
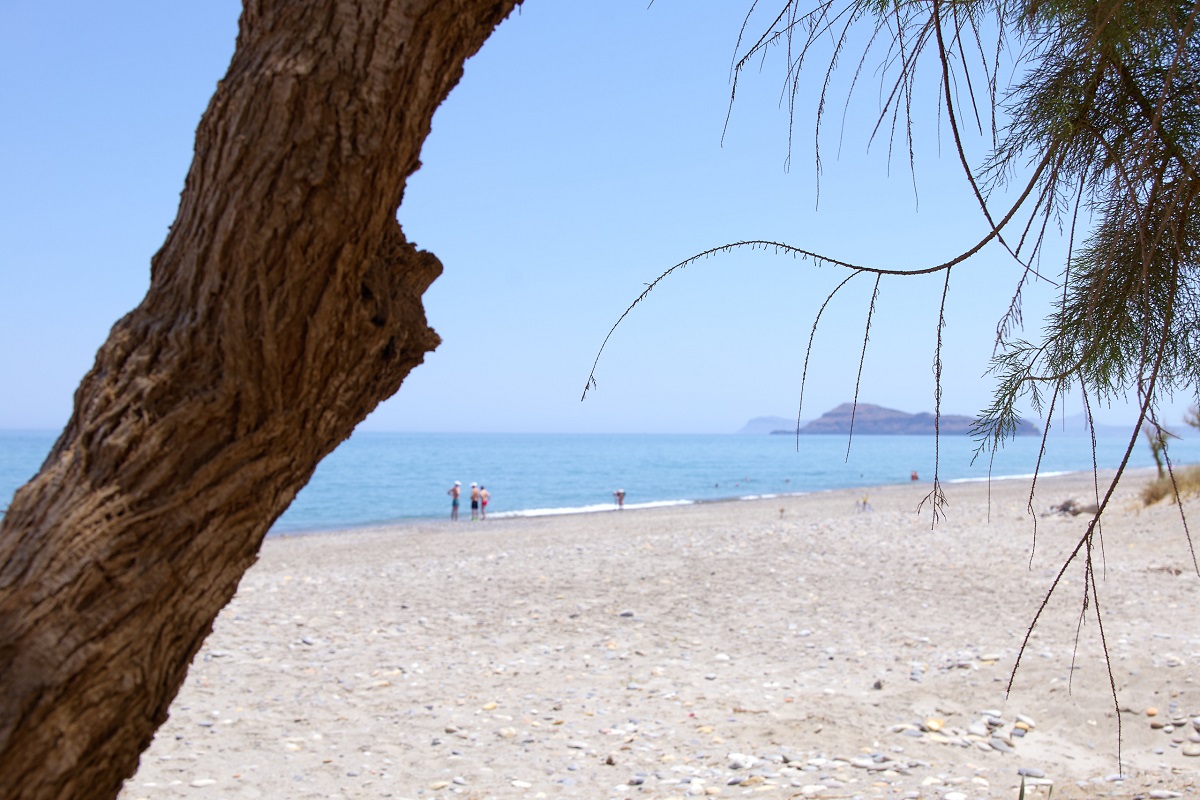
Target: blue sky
x,y
580,156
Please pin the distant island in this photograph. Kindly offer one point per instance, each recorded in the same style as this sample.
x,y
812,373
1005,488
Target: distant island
x,y
877,420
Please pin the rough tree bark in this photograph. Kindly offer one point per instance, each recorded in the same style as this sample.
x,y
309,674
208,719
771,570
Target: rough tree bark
x,y
283,306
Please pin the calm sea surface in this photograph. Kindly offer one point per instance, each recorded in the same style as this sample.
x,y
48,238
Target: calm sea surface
x,y
393,477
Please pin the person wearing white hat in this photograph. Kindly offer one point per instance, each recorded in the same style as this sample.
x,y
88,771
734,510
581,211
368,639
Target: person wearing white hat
x,y
474,502
454,492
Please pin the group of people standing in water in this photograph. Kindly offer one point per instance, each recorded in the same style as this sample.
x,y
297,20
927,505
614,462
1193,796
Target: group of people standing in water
x,y
479,501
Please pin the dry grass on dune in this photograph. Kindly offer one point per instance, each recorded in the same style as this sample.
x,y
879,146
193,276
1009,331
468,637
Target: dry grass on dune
x,y
1186,483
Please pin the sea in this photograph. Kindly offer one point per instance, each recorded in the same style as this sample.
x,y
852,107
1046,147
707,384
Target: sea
x,y
388,478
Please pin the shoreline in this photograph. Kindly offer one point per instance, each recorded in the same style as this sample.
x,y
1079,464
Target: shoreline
x,y
537,513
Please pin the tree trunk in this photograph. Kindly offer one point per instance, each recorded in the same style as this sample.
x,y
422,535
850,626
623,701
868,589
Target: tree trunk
x,y
283,306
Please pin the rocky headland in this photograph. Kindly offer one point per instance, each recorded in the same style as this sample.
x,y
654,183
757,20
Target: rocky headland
x,y
866,418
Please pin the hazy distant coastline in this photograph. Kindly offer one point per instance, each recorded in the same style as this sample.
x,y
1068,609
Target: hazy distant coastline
x,y
871,419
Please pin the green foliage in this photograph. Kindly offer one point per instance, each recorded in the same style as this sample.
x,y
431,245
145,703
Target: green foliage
x,y
1111,106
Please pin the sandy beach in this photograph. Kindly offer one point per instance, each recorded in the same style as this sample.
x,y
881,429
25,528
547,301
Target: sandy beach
x,y
776,648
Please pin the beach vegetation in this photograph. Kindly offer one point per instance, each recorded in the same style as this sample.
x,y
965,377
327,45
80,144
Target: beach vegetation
x,y
1180,482
1157,438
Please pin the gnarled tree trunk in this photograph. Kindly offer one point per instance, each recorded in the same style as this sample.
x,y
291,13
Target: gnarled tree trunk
x,y
283,306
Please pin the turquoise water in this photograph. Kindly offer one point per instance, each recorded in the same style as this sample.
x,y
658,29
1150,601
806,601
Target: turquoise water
x,y
378,478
